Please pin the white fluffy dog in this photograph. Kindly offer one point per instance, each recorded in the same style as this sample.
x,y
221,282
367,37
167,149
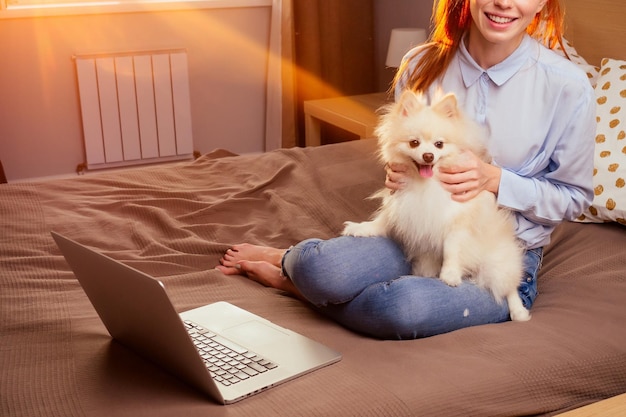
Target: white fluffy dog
x,y
441,237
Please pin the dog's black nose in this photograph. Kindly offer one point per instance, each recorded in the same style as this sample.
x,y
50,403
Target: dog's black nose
x,y
428,157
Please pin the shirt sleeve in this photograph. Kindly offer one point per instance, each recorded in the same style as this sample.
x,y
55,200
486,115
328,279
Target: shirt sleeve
x,y
564,189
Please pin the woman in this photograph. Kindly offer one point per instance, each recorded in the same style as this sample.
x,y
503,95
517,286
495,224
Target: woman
x,y
540,111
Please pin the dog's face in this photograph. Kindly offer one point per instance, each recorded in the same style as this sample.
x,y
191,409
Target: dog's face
x,y
413,132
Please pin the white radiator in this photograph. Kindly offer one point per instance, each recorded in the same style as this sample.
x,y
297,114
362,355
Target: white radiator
x,y
135,107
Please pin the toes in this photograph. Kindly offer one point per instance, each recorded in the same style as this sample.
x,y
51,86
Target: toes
x,y
237,248
229,270
228,259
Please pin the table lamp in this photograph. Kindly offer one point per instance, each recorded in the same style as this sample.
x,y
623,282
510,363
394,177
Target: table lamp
x,y
401,41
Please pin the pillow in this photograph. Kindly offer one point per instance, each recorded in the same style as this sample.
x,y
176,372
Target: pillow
x,y
609,174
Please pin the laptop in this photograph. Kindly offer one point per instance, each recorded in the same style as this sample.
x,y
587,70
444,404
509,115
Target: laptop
x,y
222,350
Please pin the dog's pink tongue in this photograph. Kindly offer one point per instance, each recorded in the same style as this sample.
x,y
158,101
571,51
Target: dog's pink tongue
x,y
426,171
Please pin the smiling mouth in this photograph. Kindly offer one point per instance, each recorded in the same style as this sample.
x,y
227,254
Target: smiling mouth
x,y
425,170
499,19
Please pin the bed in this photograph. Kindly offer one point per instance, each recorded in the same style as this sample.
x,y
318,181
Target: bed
x,y
175,221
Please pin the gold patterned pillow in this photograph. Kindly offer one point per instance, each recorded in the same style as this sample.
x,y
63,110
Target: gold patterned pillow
x,y
609,174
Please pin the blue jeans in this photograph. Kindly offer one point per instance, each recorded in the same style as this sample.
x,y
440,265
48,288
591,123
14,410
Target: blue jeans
x,y
365,284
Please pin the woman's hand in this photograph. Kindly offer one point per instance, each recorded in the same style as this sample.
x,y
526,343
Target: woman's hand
x,y
467,176
397,176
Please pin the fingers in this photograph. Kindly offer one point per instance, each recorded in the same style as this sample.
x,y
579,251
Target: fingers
x,y
463,186
396,178
466,161
395,181
465,196
463,191
485,177
396,167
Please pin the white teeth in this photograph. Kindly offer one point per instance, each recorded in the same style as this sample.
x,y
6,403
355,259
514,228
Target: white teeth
x,y
498,19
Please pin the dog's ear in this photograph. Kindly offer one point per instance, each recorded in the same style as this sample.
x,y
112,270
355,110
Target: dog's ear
x,y
410,102
447,106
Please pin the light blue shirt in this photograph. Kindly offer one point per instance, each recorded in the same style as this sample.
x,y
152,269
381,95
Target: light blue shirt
x,y
540,110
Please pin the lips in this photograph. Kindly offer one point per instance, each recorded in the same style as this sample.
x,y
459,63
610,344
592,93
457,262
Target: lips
x,y
501,20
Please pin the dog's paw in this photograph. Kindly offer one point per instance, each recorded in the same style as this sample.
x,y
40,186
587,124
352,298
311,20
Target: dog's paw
x,y
452,282
520,314
358,229
450,276
517,311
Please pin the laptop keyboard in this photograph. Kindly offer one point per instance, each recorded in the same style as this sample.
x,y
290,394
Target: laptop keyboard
x,y
228,363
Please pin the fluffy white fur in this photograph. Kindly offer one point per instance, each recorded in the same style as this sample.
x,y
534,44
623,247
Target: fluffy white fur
x,y
441,237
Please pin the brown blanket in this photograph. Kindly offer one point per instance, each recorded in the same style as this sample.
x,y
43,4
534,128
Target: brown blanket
x,y
175,221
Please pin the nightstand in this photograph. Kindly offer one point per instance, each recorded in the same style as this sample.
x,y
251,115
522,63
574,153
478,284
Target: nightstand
x,y
356,114
3,178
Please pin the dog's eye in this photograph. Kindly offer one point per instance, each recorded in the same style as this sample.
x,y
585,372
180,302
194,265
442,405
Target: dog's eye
x,y
439,144
414,143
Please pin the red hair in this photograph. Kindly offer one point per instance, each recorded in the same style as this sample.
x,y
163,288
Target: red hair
x,y
451,19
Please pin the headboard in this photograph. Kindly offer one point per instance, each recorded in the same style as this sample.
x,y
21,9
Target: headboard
x,y
596,28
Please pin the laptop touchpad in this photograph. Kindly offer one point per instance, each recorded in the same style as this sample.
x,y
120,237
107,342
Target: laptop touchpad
x,y
254,332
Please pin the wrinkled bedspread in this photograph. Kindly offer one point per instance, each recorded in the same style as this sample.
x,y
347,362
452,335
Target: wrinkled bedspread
x,y
175,221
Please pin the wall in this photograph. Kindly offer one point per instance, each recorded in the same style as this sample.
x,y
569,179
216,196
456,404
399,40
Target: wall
x,y
389,14
40,126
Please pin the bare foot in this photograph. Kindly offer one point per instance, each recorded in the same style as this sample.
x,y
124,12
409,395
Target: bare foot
x,y
248,252
264,273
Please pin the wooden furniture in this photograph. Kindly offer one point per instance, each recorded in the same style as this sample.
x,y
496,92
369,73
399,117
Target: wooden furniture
x,y
595,28
611,407
356,114
322,69
3,178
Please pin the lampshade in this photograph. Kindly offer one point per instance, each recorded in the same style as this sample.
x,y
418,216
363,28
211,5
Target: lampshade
x,y
401,41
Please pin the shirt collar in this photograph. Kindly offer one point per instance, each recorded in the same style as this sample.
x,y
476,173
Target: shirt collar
x,y
499,73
